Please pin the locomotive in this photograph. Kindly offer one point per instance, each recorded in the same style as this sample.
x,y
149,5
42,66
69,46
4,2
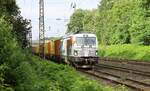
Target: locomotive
x,y
79,50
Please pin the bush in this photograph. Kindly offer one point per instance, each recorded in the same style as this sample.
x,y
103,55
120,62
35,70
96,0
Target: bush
x,y
126,51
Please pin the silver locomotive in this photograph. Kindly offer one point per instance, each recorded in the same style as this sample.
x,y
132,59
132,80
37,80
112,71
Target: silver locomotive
x,y
80,50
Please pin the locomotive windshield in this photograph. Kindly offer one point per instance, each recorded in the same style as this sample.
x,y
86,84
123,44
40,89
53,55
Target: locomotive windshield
x,y
86,41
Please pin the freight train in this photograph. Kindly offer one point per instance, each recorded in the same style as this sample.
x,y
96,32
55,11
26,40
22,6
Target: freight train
x,y
79,50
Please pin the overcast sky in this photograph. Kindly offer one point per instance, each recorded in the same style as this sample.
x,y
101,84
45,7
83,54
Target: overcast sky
x,y
53,9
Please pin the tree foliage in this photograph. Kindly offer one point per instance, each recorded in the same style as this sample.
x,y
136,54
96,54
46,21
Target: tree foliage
x,y
117,21
76,22
8,7
82,20
20,30
10,10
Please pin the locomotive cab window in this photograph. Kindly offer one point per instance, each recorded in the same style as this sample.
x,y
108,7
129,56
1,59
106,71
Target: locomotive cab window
x,y
86,41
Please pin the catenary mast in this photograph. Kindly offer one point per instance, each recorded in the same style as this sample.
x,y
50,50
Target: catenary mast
x,y
41,29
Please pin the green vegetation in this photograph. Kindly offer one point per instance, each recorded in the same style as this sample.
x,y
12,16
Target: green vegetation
x,y
21,71
115,22
82,20
20,26
126,51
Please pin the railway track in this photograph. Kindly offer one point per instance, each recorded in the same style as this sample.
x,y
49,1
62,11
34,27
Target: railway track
x,y
134,75
137,85
133,62
123,69
133,67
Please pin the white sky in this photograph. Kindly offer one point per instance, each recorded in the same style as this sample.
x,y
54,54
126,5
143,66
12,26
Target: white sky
x,y
53,9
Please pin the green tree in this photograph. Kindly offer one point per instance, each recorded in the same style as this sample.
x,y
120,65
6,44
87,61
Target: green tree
x,y
8,7
10,10
89,21
20,30
76,21
124,21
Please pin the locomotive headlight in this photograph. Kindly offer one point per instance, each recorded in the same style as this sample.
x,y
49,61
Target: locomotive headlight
x,y
75,52
96,53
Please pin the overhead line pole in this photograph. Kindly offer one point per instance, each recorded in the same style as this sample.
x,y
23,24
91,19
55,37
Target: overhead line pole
x,y
41,29
30,35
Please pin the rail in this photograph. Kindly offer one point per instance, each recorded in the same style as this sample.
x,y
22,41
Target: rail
x,y
135,75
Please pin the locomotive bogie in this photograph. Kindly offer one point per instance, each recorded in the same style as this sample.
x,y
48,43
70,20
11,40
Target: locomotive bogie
x,y
83,62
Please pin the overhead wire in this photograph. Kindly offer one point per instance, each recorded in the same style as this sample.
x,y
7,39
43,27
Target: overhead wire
x,y
35,20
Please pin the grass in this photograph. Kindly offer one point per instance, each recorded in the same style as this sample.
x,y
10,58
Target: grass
x,y
126,51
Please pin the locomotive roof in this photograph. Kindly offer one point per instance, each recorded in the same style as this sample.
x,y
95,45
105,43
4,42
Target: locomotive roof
x,y
78,34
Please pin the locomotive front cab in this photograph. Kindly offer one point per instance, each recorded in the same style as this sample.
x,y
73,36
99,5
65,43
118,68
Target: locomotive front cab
x,y
84,50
